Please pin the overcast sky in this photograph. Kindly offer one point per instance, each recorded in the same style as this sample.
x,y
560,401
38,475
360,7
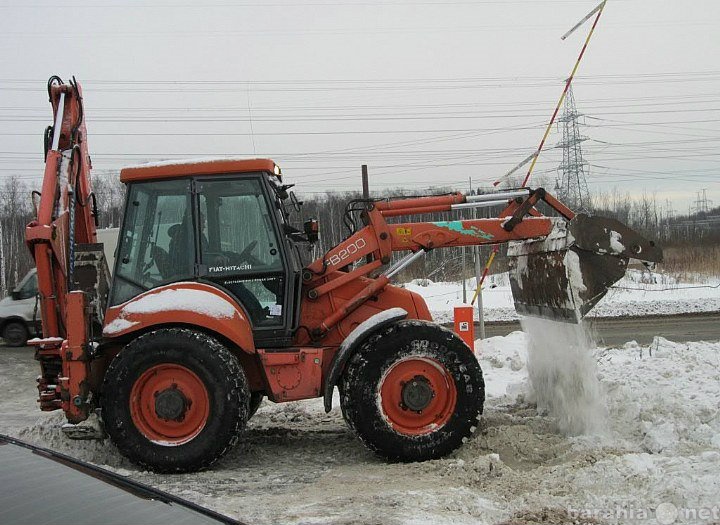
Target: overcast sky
x,y
424,92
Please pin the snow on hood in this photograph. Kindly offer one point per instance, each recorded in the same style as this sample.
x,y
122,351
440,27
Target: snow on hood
x,y
186,299
118,325
199,301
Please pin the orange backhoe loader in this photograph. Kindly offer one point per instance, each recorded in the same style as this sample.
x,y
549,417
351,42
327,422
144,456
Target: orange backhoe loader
x,y
209,308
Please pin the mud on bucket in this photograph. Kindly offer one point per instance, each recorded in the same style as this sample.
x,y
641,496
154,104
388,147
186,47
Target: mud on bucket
x,y
563,276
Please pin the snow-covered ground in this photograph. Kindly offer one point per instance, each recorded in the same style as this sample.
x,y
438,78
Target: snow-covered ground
x,y
636,294
659,452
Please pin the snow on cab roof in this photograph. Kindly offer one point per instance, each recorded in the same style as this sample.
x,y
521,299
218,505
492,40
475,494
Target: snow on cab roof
x,y
195,166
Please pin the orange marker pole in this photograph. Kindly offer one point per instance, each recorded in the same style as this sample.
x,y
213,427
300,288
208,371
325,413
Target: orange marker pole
x,y
485,272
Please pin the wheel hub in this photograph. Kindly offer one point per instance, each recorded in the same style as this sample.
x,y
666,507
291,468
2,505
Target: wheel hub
x,y
170,404
417,393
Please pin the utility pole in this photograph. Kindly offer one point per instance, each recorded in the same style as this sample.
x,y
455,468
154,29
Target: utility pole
x,y
572,187
365,183
464,284
366,196
3,289
478,276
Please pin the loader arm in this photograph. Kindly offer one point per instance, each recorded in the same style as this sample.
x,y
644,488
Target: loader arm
x,y
60,239
519,220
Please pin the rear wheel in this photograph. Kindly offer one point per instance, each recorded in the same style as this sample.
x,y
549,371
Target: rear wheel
x,y
15,333
414,391
174,400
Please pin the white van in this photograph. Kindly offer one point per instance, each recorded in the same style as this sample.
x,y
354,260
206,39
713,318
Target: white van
x,y
19,316
18,320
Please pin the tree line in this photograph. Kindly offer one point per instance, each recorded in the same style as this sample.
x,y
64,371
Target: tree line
x,y
17,209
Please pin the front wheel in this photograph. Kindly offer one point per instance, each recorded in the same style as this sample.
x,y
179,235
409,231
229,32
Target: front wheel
x,y
174,400
413,391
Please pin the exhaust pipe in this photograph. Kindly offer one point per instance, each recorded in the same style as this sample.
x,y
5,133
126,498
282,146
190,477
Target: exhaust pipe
x,y
564,275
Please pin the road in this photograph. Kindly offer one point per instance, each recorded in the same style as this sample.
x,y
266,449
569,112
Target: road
x,y
614,331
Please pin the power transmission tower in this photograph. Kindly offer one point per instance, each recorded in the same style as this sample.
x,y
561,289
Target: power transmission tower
x,y
702,203
571,186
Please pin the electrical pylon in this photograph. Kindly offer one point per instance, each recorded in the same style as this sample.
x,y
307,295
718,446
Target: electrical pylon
x,y
571,186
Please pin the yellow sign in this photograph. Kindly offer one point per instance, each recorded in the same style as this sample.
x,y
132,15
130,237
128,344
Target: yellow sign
x,y
403,231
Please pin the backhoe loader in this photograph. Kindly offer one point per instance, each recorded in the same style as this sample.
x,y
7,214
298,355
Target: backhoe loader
x,y
210,309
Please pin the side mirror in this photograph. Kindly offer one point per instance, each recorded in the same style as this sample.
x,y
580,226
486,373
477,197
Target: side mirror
x,y
15,295
311,227
296,204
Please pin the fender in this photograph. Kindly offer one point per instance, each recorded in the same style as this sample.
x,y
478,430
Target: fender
x,y
352,342
189,303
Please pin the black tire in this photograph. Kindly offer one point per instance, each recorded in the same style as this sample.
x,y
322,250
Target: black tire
x,y
378,364
256,399
15,333
216,372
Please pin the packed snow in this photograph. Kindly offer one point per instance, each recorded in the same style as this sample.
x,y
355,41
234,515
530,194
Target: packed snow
x,y
636,294
657,454
615,244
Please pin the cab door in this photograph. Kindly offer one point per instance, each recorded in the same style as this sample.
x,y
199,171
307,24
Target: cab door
x,y
239,251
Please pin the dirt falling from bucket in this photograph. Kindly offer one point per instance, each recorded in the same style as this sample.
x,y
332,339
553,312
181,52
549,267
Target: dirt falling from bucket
x,y
563,375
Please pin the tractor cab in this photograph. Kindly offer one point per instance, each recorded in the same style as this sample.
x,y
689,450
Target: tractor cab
x,y
222,222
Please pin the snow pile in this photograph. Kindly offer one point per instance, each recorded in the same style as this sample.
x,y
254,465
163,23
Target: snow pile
x,y
660,398
503,361
664,397
47,432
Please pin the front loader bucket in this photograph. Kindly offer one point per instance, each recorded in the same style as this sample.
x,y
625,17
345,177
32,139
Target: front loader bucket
x,y
563,276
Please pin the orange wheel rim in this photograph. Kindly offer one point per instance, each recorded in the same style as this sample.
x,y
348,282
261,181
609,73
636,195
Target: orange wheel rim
x,y
417,396
169,404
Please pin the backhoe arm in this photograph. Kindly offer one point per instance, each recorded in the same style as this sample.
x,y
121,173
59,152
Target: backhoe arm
x,y
65,219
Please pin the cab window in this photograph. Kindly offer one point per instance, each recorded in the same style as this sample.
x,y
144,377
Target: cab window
x,y
239,248
157,244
